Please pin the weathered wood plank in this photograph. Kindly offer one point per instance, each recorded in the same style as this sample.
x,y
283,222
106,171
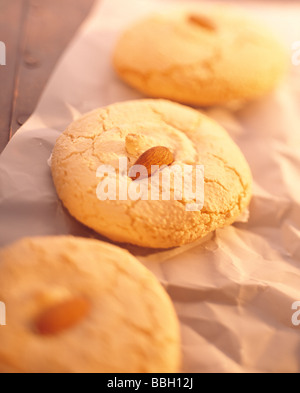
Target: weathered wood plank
x,y
36,32
12,19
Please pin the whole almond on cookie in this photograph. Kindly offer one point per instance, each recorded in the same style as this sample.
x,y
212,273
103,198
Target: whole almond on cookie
x,y
156,156
154,212
189,64
203,21
62,316
122,312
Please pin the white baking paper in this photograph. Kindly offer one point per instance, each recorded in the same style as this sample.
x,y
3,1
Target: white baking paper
x,y
234,290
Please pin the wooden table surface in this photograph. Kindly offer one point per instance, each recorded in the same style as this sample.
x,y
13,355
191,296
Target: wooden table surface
x,y
35,33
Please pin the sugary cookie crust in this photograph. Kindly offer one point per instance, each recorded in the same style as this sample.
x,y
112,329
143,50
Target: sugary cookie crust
x,y
101,137
184,62
132,326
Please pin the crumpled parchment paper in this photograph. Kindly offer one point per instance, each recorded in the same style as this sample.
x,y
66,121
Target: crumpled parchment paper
x,y
234,290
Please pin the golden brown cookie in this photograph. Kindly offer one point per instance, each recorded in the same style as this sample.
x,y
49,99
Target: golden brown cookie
x,y
128,130
77,305
206,58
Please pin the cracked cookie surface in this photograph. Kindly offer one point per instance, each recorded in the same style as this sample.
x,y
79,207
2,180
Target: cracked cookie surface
x,y
128,129
130,325
172,57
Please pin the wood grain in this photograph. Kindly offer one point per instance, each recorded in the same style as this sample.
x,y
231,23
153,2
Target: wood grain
x,y
36,32
11,26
